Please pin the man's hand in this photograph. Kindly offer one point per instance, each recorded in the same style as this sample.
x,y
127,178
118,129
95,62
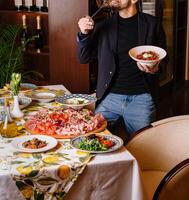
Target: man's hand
x,y
148,69
86,24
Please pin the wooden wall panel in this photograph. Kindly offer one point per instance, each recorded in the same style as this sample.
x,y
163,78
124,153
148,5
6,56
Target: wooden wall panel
x,y
7,5
63,27
187,49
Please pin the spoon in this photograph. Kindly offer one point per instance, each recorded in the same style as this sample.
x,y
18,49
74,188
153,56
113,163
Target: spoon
x,y
106,3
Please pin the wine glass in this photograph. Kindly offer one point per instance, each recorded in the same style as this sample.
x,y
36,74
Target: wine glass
x,y
1,138
6,161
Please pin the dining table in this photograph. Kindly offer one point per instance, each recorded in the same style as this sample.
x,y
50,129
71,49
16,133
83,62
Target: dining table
x,y
65,172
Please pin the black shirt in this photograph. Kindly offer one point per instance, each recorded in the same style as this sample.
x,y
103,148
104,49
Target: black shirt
x,y
128,78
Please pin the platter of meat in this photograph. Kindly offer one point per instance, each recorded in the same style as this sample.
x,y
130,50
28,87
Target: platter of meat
x,y
65,123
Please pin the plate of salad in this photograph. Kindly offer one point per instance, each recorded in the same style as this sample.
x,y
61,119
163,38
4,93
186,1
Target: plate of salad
x,y
97,143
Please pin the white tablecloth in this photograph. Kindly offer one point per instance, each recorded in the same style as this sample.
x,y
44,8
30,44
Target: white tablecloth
x,y
112,176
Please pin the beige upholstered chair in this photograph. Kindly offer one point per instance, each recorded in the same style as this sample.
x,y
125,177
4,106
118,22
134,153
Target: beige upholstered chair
x,y
175,185
159,148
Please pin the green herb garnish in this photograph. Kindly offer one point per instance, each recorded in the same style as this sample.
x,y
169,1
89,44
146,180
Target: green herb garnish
x,y
91,145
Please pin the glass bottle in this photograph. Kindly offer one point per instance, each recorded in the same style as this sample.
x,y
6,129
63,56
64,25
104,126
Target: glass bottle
x,y
17,4
34,8
9,127
28,4
44,8
39,35
24,33
23,7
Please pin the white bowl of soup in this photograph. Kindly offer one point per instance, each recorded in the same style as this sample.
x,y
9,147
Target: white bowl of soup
x,y
147,55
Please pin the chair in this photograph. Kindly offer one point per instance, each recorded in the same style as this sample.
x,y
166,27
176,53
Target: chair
x,y
175,185
160,147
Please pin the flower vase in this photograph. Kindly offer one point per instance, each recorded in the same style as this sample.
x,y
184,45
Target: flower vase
x,y
16,111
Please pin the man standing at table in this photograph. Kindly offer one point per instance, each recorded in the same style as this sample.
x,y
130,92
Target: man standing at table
x,y
124,86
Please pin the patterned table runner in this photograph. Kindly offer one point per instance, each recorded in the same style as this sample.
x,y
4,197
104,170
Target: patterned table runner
x,y
47,175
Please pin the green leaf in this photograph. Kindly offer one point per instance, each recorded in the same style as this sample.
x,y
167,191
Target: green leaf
x,y
36,163
11,55
17,162
15,83
85,159
20,184
8,141
66,158
60,195
16,153
29,182
37,156
46,181
62,154
21,131
38,196
33,173
50,164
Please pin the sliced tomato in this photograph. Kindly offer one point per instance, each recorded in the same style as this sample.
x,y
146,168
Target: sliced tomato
x,y
48,124
107,143
37,130
59,116
50,131
40,127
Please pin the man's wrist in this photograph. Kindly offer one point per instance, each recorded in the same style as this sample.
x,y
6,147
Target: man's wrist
x,y
82,35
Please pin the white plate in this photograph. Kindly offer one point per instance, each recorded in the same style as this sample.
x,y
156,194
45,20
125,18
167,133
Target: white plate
x,y
76,101
18,142
24,102
117,140
25,87
41,96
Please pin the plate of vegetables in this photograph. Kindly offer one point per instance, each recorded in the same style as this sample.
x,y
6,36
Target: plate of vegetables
x,y
97,143
34,143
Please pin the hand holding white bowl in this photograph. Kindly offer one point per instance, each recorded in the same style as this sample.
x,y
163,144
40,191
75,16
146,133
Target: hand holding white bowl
x,y
147,57
147,69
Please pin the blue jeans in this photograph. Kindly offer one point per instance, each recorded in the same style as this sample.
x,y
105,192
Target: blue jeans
x,y
137,111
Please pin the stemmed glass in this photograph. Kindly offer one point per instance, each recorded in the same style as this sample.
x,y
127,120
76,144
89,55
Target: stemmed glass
x,y
6,161
1,138
4,116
